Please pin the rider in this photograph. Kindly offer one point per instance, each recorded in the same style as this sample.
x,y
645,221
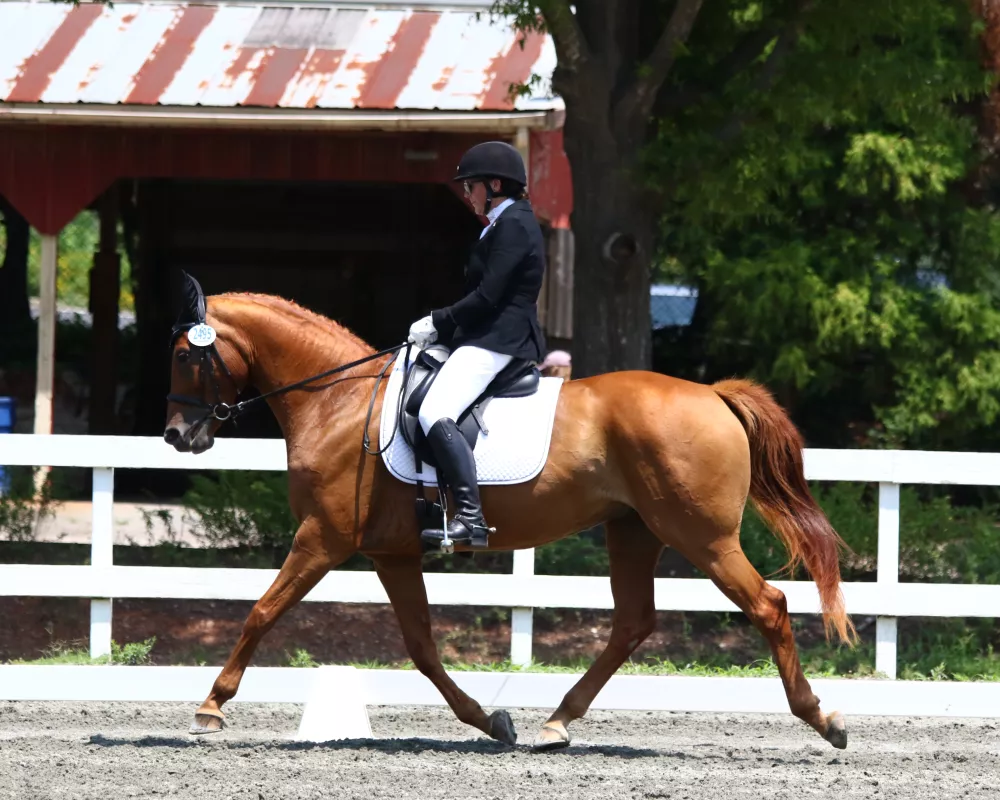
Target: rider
x,y
496,321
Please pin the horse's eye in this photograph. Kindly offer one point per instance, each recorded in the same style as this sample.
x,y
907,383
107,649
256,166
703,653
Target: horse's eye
x,y
183,356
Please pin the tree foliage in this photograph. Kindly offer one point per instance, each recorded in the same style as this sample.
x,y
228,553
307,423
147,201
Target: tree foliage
x,y
819,173
846,254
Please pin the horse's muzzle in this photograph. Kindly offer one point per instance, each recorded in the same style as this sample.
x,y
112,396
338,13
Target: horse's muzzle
x,y
185,438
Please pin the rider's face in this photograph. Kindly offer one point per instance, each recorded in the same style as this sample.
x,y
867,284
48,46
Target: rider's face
x,y
475,191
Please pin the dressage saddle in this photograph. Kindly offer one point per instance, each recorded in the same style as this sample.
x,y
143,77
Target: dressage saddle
x,y
520,378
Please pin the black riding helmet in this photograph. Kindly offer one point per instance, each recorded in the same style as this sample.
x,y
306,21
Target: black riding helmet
x,y
492,160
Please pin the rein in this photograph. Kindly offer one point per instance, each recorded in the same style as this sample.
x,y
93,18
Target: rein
x,y
222,411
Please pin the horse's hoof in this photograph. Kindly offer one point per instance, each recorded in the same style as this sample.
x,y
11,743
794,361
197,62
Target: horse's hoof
x,y
206,723
502,727
836,730
552,736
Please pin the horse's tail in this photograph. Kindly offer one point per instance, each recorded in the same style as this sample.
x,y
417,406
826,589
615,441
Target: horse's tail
x,y
781,496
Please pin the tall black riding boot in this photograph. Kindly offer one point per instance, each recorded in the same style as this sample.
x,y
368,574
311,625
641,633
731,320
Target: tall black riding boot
x,y
457,463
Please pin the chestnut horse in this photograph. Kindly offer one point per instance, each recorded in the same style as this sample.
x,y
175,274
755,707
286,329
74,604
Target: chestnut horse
x,y
660,461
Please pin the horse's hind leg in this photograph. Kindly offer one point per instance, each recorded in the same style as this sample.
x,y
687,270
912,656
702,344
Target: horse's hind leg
x,y
633,552
304,567
724,562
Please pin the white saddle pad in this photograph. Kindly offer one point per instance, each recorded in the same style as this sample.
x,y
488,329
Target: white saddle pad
x,y
520,431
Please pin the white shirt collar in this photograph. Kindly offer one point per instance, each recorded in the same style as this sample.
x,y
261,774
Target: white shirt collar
x,y
494,213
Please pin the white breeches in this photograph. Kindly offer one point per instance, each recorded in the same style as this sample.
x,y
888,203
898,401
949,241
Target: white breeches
x,y
461,380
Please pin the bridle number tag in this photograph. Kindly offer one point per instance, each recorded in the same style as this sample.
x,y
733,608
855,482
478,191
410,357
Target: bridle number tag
x,y
201,335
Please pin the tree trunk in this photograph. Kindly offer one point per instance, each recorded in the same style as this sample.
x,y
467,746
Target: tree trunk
x,y
15,313
612,328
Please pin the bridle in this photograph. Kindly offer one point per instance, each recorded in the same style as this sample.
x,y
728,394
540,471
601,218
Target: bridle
x,y
208,356
222,411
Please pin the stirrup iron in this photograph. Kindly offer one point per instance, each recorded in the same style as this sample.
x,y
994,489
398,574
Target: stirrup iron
x,y
483,541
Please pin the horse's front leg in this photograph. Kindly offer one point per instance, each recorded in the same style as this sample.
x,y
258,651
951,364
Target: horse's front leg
x,y
306,564
403,580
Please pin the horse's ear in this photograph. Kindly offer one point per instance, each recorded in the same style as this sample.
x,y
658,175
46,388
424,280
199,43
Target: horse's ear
x,y
193,307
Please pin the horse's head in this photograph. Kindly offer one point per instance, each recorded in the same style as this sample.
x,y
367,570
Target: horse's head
x,y
202,384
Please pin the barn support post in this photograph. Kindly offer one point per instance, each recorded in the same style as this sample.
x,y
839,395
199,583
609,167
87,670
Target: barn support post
x,y
552,198
105,290
45,369
45,373
522,141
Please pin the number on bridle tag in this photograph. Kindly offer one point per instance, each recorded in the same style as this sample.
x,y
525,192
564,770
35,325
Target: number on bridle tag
x,y
201,335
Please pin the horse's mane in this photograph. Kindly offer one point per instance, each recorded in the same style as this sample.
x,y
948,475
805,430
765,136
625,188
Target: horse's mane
x,y
301,314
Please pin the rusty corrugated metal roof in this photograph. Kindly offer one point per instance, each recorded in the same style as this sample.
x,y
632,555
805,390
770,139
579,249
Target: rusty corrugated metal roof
x,y
267,56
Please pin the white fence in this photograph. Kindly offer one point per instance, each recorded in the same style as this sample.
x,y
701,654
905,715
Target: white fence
x,y
521,591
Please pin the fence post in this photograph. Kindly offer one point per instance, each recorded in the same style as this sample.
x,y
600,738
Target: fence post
x,y
522,619
887,574
101,555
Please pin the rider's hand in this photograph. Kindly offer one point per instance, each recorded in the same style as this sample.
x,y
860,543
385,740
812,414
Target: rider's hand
x,y
423,332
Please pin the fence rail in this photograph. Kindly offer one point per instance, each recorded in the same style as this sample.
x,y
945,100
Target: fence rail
x,y
523,590
385,687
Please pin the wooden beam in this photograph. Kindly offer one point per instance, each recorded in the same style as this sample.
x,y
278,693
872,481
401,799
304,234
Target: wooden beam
x,y
45,373
522,141
105,290
559,285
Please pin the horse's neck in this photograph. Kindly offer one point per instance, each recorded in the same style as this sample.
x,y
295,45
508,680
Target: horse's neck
x,y
284,351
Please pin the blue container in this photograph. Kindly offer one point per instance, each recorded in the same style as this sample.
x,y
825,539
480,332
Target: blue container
x,y
8,416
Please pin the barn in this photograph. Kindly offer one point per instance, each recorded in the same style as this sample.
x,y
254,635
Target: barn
x,y
303,149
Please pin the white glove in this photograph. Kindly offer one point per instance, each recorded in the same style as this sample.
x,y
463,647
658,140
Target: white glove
x,y
423,332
